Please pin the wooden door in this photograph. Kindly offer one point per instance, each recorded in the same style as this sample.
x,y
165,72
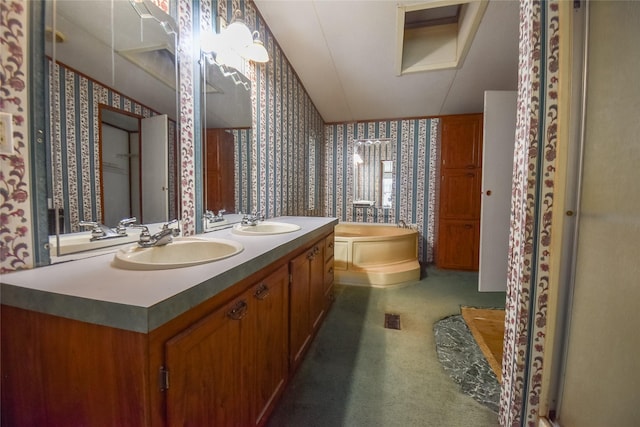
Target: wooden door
x,y
462,141
460,180
219,171
461,250
299,321
205,364
271,297
459,194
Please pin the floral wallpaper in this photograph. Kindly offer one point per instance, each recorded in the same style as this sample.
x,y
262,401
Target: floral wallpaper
x,y
415,155
15,209
531,214
534,167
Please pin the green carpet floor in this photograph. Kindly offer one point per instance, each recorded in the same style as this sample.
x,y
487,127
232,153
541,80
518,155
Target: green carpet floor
x,y
358,373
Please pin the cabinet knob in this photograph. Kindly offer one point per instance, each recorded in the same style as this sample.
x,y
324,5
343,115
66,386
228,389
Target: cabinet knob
x,y
330,244
238,311
262,292
330,271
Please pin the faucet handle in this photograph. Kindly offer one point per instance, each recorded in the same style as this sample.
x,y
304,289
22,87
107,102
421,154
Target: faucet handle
x,y
121,228
145,236
173,221
221,212
176,230
96,230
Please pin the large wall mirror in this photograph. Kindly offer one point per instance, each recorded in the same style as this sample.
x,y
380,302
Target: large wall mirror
x,y
111,79
374,173
227,120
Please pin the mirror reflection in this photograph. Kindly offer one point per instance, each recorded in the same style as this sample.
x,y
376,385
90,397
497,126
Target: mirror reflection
x,y
112,111
373,173
227,118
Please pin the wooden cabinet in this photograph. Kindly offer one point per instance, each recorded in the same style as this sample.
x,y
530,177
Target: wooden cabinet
x,y
271,355
460,186
219,173
310,295
228,368
224,362
329,245
205,364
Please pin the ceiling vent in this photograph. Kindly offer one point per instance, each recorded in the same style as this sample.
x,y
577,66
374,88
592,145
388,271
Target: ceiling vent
x,y
436,35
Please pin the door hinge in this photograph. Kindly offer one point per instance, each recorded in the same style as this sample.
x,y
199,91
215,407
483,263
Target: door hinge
x,y
163,378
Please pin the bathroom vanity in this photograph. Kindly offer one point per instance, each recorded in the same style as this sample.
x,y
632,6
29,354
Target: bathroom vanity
x,y
85,343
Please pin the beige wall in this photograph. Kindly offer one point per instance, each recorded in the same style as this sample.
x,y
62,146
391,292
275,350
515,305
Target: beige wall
x,y
602,373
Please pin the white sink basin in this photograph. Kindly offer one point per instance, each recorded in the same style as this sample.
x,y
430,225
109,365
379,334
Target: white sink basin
x,y
182,252
264,228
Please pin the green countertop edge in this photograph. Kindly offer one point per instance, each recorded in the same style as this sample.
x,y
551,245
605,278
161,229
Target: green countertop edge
x,y
143,319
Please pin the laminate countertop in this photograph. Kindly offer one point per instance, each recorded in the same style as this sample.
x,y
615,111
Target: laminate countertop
x,y
94,291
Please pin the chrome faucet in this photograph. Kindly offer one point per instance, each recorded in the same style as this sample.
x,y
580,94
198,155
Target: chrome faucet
x,y
402,224
161,238
102,232
211,217
252,219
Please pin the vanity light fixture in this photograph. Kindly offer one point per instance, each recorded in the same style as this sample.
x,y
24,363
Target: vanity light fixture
x,y
234,42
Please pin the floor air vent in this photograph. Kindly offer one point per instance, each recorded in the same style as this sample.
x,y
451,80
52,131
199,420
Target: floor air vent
x,y
392,321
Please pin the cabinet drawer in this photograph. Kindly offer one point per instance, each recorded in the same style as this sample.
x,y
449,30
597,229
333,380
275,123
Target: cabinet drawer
x,y
328,273
329,245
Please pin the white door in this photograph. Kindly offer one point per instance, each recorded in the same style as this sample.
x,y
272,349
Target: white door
x,y
497,172
601,366
155,164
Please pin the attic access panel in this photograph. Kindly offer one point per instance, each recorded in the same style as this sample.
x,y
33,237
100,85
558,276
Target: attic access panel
x,y
437,34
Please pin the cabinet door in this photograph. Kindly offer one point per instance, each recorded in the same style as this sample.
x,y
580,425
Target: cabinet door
x,y
462,141
460,194
299,320
458,243
205,370
271,337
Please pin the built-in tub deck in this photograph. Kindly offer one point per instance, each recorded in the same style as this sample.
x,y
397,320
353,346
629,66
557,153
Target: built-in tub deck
x,y
377,255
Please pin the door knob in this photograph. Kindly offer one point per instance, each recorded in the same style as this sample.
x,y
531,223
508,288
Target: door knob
x,y
488,192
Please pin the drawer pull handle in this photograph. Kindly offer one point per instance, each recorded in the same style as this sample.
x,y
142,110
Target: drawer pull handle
x,y
316,250
262,292
310,255
238,311
330,270
330,245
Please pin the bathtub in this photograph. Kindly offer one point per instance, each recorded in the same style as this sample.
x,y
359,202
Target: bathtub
x,y
377,255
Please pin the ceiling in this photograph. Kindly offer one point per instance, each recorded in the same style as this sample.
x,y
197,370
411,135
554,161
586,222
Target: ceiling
x,y
344,52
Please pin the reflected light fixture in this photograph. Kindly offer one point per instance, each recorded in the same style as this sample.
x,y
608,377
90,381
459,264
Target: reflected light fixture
x,y
256,51
236,40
